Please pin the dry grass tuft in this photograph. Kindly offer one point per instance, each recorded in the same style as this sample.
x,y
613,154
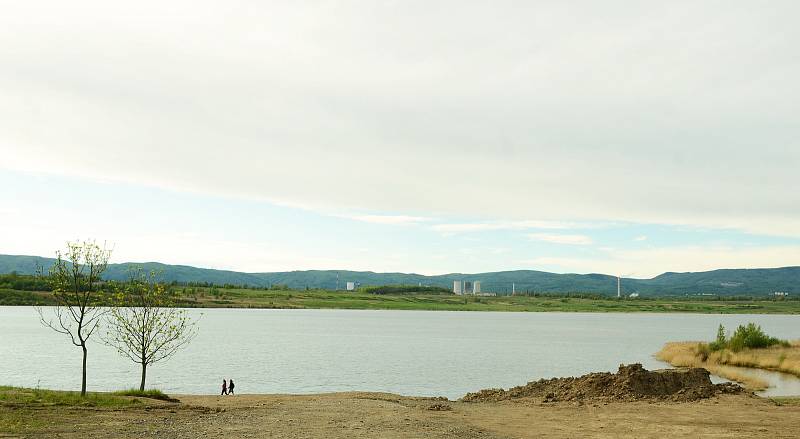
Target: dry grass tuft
x,y
777,358
691,354
681,354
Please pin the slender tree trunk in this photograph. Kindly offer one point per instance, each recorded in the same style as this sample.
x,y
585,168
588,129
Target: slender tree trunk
x,y
144,375
83,380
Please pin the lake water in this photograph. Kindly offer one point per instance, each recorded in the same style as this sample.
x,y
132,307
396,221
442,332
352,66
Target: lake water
x,y
407,352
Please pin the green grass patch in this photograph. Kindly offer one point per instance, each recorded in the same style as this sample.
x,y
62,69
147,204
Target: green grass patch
x,y
20,396
24,298
404,289
33,411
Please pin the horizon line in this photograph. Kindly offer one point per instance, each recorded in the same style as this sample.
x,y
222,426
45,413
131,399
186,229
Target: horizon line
x,y
419,274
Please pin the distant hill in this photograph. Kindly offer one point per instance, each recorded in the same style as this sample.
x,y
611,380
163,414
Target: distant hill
x,y
729,282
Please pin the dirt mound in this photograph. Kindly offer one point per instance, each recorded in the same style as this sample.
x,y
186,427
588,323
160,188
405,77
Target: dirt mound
x,y
630,383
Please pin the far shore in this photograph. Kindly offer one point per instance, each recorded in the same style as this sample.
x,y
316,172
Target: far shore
x,y
202,297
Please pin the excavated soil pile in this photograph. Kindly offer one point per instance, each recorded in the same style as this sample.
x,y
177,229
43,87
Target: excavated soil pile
x,y
630,383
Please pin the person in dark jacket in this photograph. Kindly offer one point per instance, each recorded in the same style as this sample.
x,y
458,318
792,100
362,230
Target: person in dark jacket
x,y
230,386
224,388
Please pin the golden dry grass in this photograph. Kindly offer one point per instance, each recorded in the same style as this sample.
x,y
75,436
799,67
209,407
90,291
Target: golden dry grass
x,y
781,359
686,354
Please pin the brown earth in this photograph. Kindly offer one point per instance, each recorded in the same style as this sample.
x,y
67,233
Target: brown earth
x,y
633,403
630,383
372,415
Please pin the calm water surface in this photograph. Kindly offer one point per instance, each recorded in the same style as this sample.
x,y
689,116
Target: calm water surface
x,y
406,352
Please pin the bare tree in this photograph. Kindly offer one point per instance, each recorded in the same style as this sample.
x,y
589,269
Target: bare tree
x,y
74,280
144,326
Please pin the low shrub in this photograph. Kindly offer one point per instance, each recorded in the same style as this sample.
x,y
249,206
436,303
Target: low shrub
x,y
752,337
721,342
749,336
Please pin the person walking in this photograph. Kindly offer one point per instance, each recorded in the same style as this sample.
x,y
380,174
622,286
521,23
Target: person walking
x,y
230,386
224,388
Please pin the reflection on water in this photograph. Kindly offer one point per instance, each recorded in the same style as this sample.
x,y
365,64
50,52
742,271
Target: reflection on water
x,y
408,352
780,384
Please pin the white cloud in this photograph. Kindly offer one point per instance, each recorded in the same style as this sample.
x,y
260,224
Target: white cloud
x,y
44,237
591,111
561,239
452,228
394,220
654,261
640,238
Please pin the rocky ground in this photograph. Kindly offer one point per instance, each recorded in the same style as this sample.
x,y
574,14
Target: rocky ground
x,y
633,403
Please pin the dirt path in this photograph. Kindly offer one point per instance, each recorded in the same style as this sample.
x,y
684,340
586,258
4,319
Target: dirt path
x,y
376,415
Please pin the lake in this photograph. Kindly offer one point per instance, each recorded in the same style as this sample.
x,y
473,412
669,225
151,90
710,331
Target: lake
x,y
428,353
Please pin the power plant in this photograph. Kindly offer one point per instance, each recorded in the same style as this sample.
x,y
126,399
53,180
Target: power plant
x,y
462,287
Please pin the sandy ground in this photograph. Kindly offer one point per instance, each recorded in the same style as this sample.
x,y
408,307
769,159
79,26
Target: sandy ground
x,y
377,415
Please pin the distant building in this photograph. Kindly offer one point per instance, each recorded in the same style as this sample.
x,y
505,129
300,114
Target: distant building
x,y
780,294
461,287
351,286
633,295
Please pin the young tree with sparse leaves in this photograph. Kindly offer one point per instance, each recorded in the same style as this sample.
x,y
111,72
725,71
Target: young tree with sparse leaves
x,y
144,326
74,279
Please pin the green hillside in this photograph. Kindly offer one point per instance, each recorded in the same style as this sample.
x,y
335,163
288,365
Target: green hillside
x,y
727,282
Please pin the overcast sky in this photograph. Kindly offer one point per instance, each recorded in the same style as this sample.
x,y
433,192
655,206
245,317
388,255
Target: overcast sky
x,y
619,137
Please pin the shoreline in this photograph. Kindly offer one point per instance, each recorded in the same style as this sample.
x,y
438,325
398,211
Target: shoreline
x,y
741,367
385,415
254,299
633,402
